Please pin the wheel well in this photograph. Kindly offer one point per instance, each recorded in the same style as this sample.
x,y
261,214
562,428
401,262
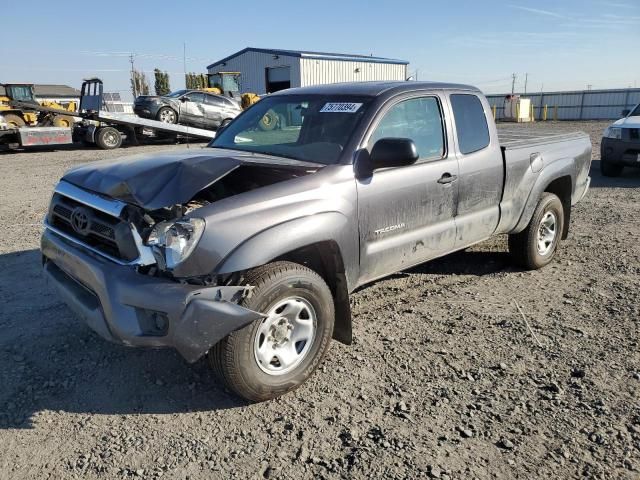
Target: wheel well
x,y
325,259
562,187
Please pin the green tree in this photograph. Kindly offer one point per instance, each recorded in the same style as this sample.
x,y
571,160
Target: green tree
x,y
195,80
139,84
161,84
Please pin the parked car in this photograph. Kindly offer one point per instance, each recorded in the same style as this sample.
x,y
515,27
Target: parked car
x,y
188,107
248,251
620,144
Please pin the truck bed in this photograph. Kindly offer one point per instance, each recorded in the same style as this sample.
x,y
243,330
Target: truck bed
x,y
510,137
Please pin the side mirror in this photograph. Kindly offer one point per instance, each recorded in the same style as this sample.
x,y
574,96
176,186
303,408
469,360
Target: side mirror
x,y
184,99
626,112
393,152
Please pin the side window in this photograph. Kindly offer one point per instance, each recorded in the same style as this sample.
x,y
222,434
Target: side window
x,y
212,100
471,123
196,97
419,119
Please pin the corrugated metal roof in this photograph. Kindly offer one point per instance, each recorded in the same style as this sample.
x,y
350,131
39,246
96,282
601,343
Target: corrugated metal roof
x,y
43,90
319,55
51,91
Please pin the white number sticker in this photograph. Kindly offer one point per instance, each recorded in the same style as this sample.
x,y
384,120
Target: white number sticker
x,y
340,107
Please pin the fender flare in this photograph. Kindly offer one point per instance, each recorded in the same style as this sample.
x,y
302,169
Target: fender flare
x,y
560,168
289,236
285,237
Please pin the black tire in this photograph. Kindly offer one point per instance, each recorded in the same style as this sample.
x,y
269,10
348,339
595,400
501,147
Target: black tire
x,y
65,121
13,120
108,138
167,115
233,358
524,247
610,169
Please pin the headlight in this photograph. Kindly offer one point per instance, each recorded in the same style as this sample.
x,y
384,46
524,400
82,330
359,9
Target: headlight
x,y
176,240
613,132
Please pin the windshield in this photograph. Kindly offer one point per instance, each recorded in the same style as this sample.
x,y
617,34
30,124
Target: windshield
x,y
20,93
312,128
176,94
636,112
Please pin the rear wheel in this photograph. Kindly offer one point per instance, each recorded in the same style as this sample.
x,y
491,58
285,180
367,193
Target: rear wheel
x,y
167,115
277,353
13,120
536,245
610,169
108,138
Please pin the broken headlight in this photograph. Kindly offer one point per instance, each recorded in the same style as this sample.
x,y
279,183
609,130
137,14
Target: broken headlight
x,y
175,240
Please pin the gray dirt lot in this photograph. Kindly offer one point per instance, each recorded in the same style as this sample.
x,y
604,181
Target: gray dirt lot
x,y
444,379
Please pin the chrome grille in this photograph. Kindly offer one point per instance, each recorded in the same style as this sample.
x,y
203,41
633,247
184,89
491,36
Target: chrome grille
x,y
99,231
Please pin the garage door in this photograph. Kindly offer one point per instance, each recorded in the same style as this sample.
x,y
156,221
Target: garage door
x,y
278,78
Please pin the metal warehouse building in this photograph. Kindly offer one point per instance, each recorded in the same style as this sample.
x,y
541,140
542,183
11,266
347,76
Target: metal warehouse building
x,y
267,71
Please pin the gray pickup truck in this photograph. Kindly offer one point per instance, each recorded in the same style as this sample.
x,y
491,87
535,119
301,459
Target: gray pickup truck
x,y
247,251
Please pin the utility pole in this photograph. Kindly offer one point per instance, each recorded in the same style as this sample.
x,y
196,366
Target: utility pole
x,y
526,79
133,78
589,87
513,83
184,62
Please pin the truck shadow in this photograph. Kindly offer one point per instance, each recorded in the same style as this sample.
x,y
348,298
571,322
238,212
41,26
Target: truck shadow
x,y
630,178
466,262
49,360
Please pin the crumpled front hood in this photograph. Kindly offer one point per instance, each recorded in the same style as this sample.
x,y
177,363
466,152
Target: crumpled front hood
x,y
163,179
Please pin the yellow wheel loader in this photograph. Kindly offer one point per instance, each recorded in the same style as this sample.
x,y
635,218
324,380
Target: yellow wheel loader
x,y
19,108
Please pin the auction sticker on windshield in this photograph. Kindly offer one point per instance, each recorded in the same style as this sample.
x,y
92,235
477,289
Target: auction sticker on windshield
x,y
340,107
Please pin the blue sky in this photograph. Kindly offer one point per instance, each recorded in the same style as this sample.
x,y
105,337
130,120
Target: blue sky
x,y
561,45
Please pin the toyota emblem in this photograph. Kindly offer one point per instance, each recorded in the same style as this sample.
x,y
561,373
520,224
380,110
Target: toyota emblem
x,y
80,220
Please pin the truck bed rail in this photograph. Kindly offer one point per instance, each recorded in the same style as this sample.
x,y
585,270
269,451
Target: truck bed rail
x,y
518,137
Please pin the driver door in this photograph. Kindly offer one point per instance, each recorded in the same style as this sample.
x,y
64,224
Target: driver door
x,y
406,214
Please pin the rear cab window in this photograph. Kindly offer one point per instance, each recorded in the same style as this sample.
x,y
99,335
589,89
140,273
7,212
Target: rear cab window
x,y
471,123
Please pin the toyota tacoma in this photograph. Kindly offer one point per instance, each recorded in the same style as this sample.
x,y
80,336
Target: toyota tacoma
x,y
247,251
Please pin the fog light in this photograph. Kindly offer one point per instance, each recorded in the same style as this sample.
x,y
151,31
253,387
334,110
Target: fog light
x,y
152,323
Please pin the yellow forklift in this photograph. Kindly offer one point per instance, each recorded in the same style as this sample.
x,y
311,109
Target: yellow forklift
x,y
19,108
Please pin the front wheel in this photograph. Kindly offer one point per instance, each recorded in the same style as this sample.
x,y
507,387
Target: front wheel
x,y
277,353
536,245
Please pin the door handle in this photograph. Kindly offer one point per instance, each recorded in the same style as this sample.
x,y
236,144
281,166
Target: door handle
x,y
447,178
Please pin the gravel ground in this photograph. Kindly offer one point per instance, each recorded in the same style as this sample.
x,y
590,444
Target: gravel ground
x,y
444,380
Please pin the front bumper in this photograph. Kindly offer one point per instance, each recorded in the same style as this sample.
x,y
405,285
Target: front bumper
x,y
143,111
620,152
138,310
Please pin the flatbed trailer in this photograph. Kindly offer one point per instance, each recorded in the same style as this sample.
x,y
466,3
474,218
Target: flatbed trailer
x,y
107,130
